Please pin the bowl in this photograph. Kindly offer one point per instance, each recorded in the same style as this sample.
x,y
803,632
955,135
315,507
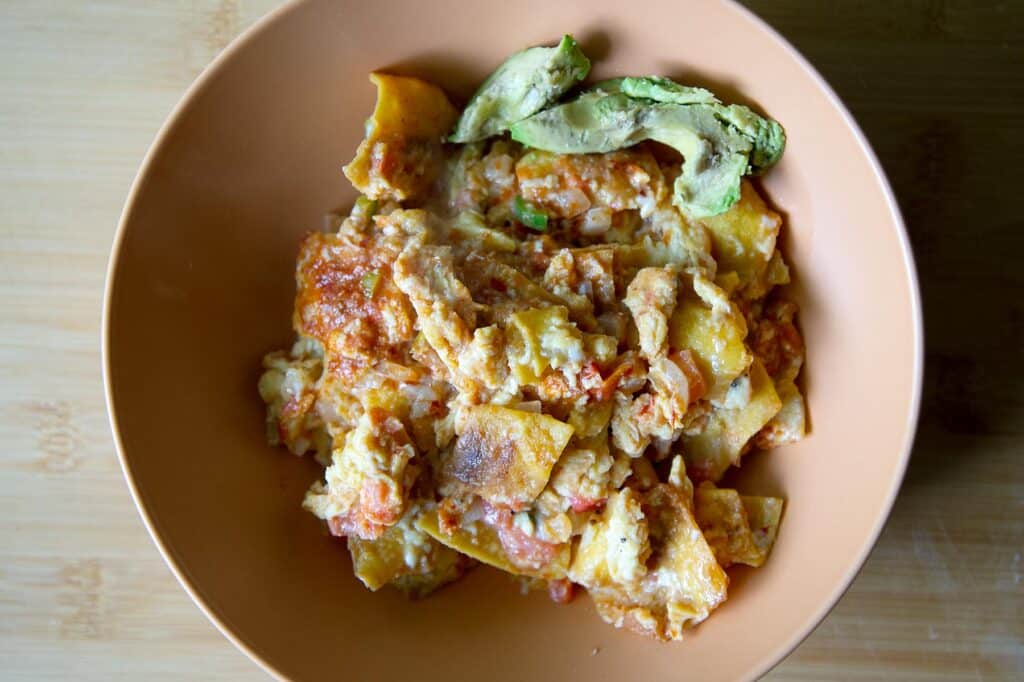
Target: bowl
x,y
200,285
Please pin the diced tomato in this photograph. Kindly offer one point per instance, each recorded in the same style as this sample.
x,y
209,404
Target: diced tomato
x,y
378,509
686,362
698,471
583,504
449,515
385,160
554,386
591,380
379,504
776,340
524,550
355,524
646,410
624,369
561,591
437,409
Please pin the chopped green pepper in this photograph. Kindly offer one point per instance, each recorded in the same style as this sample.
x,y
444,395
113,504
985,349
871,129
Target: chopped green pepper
x,y
528,215
369,282
366,206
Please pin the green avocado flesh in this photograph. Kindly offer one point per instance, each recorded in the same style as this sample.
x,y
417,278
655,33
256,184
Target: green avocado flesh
x,y
524,84
719,143
657,89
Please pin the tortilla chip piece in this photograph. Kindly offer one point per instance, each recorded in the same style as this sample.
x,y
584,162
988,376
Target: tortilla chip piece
x,y
407,558
722,442
481,542
714,330
400,156
679,583
740,529
503,455
743,239
764,515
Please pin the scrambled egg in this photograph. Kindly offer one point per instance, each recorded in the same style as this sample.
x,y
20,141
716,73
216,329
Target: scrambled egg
x,y
535,361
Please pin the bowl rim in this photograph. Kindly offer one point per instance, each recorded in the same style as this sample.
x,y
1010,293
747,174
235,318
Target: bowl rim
x,y
743,14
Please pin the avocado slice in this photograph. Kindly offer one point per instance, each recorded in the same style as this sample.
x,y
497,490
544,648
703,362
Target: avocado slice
x,y
657,89
524,84
594,122
767,135
716,155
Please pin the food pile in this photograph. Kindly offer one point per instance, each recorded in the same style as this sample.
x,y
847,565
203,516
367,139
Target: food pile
x,y
543,334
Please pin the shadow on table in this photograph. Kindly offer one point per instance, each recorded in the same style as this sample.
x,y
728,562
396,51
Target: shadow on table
x,y
936,88
933,89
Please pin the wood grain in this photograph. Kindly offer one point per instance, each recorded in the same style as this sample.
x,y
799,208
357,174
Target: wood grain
x,y
937,86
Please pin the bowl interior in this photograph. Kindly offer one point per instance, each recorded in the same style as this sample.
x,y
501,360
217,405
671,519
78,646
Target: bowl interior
x,y
201,286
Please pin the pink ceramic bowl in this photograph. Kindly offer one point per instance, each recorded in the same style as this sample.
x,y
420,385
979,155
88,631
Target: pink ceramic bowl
x,y
200,286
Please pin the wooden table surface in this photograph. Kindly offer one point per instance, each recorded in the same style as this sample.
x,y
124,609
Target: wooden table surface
x,y
938,87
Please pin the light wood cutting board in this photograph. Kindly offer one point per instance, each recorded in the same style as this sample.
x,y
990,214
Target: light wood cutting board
x,y
84,594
